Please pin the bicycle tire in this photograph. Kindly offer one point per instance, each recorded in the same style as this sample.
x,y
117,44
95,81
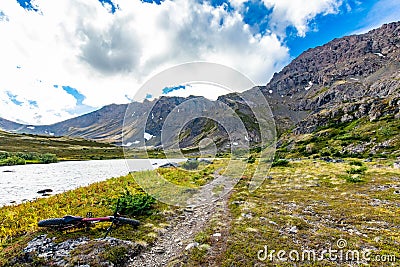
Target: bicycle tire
x,y
132,222
54,222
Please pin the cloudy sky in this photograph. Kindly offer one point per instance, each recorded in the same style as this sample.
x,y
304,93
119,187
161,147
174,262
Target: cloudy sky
x,y
63,58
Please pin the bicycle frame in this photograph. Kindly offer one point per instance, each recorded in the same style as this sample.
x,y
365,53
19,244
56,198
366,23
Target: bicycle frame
x,y
70,221
99,219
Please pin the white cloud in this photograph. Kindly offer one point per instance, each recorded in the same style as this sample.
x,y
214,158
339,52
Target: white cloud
x,y
105,56
298,13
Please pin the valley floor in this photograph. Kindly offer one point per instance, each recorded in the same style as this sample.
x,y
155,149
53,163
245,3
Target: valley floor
x,y
309,213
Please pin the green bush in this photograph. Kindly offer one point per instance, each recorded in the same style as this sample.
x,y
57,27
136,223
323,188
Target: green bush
x,y
48,158
137,204
354,179
12,161
251,159
360,170
281,163
190,165
355,163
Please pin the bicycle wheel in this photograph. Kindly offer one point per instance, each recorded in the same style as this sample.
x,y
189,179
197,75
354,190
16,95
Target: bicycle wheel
x,y
54,222
132,222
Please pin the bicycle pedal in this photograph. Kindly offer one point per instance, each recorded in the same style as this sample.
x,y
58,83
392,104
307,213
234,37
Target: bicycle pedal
x,y
89,215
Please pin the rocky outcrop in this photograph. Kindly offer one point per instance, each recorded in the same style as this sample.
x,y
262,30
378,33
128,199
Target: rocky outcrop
x,y
346,79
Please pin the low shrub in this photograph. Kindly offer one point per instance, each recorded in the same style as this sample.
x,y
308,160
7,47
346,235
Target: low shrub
x,y
48,158
137,204
360,170
280,163
12,161
190,165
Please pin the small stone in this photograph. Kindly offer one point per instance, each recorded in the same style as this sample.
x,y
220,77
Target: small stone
x,y
191,245
247,215
273,223
293,230
44,191
217,235
159,250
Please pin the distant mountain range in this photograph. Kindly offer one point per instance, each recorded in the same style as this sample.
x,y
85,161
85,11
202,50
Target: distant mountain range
x,y
345,80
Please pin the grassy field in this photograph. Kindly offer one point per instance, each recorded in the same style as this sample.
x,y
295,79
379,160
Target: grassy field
x,y
19,223
308,204
65,148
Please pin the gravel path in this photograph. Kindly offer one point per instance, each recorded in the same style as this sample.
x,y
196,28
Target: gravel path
x,y
178,237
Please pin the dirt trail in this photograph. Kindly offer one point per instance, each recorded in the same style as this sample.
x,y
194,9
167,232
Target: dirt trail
x,y
178,237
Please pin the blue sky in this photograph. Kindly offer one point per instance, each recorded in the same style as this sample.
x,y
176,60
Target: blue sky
x,y
65,58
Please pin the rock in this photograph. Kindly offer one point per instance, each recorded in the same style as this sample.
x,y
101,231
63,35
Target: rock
x,y
396,192
273,223
169,165
293,230
217,235
192,245
247,215
158,250
396,165
8,171
44,191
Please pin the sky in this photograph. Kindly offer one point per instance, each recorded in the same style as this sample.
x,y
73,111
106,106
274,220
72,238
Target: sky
x,y
61,59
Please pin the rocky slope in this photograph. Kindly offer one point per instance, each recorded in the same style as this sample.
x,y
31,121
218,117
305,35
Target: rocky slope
x,y
348,78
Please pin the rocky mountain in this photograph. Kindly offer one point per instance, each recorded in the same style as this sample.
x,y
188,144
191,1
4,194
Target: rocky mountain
x,y
346,79
354,78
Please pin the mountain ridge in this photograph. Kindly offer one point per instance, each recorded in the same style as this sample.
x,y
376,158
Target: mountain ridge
x,y
344,80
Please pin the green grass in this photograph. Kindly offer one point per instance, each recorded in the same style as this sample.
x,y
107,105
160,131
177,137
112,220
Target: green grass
x,y
313,197
65,148
19,223
360,138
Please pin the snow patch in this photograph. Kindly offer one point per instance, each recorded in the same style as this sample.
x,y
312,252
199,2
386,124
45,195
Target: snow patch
x,y
270,91
310,83
31,127
127,144
148,136
379,54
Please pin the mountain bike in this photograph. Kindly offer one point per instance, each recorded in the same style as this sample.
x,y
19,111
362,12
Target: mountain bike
x,y
70,221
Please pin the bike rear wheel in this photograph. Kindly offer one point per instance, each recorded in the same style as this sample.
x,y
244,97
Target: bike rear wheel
x,y
54,222
121,220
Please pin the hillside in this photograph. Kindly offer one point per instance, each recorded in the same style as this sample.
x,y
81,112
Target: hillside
x,y
341,98
65,148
